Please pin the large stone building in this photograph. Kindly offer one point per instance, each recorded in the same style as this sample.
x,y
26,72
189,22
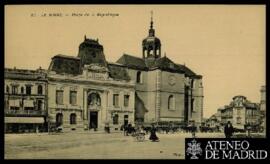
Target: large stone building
x,y
86,91
165,91
25,101
241,112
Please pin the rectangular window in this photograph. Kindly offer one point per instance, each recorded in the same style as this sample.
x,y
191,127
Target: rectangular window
x,y
126,100
116,100
115,119
28,90
14,90
59,97
73,97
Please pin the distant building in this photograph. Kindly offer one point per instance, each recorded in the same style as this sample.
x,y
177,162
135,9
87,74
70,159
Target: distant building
x,y
263,107
213,121
263,99
25,102
240,112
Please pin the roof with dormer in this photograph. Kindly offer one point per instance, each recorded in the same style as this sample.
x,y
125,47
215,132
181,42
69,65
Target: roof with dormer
x,y
64,64
163,63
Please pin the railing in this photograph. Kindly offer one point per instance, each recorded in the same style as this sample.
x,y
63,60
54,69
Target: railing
x,y
25,112
24,95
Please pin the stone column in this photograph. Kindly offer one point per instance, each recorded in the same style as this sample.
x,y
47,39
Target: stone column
x,y
85,110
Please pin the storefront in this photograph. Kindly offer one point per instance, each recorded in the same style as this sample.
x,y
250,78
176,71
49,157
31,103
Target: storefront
x,y
24,124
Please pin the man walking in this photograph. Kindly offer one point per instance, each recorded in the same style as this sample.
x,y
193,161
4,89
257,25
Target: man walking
x,y
228,130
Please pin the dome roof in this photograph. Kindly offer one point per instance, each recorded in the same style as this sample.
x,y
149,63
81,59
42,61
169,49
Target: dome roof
x,y
151,40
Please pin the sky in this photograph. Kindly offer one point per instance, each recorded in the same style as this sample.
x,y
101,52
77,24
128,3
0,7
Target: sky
x,y
223,43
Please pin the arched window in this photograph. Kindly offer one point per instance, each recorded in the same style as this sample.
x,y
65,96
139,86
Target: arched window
x,y
171,102
7,89
40,89
22,90
28,89
14,89
139,77
94,99
59,119
72,118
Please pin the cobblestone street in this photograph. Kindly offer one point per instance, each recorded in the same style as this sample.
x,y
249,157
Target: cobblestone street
x,y
89,145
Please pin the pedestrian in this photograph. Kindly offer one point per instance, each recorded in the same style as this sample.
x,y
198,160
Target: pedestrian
x,y
228,130
193,130
94,126
107,127
153,137
125,129
129,128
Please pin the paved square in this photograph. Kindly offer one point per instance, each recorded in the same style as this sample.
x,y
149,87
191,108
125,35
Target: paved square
x,y
95,146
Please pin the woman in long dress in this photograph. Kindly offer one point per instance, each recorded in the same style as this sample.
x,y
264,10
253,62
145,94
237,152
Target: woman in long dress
x,y
153,137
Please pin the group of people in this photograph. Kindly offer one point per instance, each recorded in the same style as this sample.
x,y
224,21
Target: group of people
x,y
129,129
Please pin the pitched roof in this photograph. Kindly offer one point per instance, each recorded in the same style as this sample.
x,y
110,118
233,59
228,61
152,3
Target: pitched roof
x,y
163,63
188,71
132,62
118,72
63,64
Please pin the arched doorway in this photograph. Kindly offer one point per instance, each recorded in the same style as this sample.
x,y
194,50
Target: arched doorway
x,y
73,119
59,119
93,106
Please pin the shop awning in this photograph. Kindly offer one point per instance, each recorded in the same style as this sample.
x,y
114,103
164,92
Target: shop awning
x,y
15,103
28,103
26,120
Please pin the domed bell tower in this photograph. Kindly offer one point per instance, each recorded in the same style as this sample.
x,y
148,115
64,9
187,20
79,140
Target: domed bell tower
x,y
151,45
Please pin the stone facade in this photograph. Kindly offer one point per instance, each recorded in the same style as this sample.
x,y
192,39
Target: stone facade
x,y
166,91
25,101
85,92
101,91
241,112
263,107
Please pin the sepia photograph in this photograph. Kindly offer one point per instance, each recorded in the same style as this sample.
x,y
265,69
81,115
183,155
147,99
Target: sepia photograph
x,y
131,81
